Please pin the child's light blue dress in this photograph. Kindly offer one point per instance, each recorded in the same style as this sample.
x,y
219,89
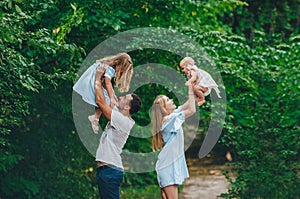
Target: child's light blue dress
x,y
171,165
85,86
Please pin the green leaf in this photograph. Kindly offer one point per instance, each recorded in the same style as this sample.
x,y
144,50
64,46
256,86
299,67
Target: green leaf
x,y
73,7
18,9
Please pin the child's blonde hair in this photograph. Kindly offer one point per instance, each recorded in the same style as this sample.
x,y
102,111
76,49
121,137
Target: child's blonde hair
x,y
187,60
158,112
122,64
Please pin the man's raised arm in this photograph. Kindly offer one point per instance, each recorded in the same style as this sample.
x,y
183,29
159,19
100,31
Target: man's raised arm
x,y
99,95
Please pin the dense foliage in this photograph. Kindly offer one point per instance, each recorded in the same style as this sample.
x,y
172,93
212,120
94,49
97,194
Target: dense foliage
x,y
254,44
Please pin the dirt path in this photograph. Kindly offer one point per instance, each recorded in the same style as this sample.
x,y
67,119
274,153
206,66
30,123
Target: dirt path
x,y
205,182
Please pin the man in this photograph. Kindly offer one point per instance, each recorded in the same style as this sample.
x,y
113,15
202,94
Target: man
x,y
110,171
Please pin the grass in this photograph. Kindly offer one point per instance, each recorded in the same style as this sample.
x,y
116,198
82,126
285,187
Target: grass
x,y
142,192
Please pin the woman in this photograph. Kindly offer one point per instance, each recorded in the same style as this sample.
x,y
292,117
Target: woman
x,y
168,137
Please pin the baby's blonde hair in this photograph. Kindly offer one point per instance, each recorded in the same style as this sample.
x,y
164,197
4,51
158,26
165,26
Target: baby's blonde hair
x,y
187,60
122,64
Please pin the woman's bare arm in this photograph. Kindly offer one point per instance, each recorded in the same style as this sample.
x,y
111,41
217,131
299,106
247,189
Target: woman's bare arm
x,y
189,106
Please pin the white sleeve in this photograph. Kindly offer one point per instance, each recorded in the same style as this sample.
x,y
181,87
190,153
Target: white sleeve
x,y
121,122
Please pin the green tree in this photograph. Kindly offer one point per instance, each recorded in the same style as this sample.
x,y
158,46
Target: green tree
x,y
266,140
33,61
281,17
44,42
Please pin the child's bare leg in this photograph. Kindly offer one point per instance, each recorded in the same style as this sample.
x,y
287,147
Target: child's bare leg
x,y
200,96
198,93
201,88
97,113
200,101
94,119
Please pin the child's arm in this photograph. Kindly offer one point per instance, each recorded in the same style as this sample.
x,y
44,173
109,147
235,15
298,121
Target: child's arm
x,y
110,91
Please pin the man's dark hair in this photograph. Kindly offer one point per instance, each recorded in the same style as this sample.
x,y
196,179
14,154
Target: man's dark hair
x,y
135,104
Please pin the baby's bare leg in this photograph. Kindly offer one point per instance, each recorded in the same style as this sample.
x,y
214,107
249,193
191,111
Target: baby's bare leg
x,y
200,96
200,102
201,88
199,93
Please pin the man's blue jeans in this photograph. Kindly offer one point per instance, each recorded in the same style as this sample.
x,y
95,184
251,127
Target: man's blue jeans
x,y
109,180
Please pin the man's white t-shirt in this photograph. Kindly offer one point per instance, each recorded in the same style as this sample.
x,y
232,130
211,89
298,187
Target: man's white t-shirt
x,y
114,138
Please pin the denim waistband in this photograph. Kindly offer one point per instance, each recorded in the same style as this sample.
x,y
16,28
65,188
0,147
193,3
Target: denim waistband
x,y
109,166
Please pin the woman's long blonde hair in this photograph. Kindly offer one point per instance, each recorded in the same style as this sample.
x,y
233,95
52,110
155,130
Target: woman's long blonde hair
x,y
157,115
122,64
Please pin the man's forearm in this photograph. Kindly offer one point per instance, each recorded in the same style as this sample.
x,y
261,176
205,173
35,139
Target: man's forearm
x,y
109,88
100,99
99,95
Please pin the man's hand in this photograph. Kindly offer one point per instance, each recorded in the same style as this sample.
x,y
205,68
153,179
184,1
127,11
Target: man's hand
x,y
100,71
113,102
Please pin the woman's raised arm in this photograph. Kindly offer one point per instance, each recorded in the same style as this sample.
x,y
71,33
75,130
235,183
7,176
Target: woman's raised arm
x,y
189,106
